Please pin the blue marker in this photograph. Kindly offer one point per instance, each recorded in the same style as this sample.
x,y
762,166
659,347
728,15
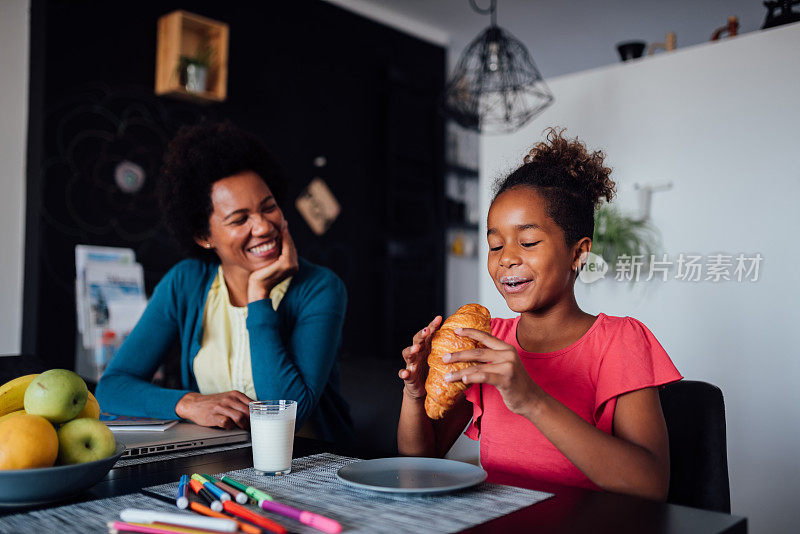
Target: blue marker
x,y
183,493
215,491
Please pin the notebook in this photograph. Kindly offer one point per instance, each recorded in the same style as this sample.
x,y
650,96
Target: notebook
x,y
133,423
179,437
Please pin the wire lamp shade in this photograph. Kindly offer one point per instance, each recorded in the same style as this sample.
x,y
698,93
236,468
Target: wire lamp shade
x,y
496,88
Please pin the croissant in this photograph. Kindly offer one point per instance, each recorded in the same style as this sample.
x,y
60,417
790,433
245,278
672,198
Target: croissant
x,y
441,395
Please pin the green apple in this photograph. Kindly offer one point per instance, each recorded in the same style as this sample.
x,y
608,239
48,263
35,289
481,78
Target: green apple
x,y
84,440
58,395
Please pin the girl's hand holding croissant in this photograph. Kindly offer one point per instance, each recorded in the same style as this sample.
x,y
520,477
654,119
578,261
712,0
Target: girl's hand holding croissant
x,y
416,357
498,364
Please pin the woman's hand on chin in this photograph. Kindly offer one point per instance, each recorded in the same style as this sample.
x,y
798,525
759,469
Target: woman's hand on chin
x,y
263,280
227,410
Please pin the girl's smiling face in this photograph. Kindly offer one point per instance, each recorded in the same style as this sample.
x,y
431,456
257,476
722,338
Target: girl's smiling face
x,y
531,264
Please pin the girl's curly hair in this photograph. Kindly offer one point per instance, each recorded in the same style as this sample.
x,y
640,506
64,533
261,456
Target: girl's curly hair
x,y
572,180
196,158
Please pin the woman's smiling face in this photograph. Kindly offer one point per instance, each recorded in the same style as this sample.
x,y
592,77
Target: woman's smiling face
x,y
529,261
245,224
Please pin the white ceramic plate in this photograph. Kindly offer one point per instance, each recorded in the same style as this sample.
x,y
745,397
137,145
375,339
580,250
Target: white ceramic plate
x,y
411,475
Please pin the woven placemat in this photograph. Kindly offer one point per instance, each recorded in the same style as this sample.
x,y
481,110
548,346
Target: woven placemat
x,y
312,485
123,462
84,517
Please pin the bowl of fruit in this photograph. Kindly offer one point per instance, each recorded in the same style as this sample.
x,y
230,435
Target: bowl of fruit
x,y
52,443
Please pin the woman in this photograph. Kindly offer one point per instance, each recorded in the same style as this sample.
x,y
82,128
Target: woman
x,y
253,320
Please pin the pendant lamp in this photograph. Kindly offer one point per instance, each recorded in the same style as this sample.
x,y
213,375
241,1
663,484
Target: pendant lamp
x,y
496,88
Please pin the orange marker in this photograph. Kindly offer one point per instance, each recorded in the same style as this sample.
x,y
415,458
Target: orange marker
x,y
258,519
205,510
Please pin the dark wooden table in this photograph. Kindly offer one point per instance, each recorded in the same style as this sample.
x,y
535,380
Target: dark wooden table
x,y
571,510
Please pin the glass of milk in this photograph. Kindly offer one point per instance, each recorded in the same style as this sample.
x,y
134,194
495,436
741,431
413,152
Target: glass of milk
x,y
272,435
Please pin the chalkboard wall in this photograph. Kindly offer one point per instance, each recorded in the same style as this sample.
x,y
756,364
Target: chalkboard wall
x,y
310,79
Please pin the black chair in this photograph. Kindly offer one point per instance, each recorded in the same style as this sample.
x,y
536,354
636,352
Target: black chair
x,y
695,416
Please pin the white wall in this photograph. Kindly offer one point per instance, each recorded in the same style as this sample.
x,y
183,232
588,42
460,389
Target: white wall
x,y
14,35
567,36
720,121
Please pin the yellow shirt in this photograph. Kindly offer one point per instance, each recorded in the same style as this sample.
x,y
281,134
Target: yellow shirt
x,y
223,361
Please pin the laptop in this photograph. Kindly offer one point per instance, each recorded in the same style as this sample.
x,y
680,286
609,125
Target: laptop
x,y
181,436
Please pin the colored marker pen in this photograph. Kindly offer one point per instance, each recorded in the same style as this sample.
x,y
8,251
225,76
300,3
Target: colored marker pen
x,y
183,493
212,501
255,494
218,493
238,496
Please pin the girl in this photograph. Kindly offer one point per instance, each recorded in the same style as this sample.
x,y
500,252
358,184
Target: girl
x,y
558,395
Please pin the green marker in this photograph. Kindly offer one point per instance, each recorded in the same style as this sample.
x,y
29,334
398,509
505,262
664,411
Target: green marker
x,y
252,492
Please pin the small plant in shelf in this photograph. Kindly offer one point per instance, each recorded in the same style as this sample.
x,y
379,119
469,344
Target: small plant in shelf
x,y
193,70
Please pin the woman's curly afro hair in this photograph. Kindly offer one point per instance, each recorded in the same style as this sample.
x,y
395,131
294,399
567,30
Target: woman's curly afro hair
x,y
196,158
572,181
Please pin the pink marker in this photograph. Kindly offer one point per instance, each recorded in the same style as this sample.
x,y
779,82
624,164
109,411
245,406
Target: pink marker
x,y
319,522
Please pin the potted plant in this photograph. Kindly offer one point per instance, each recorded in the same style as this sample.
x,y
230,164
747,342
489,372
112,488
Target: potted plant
x,y
617,235
193,70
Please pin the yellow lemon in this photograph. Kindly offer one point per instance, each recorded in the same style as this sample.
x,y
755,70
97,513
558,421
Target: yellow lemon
x,y
91,409
27,441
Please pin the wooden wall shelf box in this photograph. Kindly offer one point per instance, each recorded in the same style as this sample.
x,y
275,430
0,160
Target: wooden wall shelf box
x,y
183,34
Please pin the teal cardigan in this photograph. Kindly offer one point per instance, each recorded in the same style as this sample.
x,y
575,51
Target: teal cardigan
x,y
293,350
